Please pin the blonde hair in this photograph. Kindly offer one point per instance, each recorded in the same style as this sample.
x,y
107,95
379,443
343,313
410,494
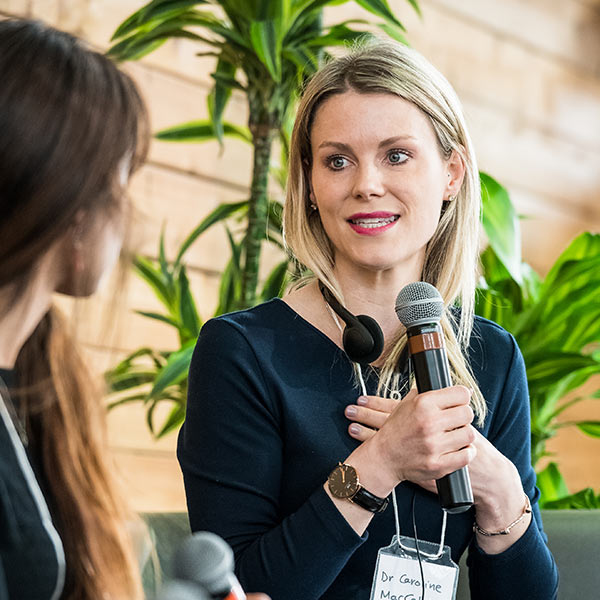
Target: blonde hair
x,y
380,66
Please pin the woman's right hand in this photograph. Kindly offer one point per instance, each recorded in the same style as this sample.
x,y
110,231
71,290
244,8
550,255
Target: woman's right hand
x,y
426,436
257,597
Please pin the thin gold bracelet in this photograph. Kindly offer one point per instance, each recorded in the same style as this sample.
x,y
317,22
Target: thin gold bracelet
x,y
507,529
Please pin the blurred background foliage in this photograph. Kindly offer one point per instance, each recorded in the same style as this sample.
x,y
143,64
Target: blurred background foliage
x,y
266,49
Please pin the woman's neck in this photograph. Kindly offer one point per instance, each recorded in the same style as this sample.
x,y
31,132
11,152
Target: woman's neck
x,y
374,293
20,313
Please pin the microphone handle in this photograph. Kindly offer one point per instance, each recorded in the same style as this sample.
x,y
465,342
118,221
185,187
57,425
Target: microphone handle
x,y
432,372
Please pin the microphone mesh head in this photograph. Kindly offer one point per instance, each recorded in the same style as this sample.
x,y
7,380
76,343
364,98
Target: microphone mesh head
x,y
206,559
419,303
182,590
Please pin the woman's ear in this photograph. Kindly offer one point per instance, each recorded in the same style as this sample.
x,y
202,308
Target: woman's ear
x,y
455,168
307,175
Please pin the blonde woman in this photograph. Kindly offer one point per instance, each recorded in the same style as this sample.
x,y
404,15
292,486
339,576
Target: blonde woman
x,y
383,190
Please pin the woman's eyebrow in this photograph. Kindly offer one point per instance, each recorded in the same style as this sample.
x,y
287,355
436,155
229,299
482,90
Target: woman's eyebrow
x,y
386,142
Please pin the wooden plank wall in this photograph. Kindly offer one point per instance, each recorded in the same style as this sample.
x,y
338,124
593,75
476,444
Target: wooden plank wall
x,y
528,72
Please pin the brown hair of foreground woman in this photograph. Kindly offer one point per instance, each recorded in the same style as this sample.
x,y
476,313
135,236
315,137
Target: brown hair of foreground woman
x,y
72,130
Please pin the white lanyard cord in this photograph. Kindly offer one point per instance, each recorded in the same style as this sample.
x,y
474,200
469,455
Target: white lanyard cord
x,y
363,389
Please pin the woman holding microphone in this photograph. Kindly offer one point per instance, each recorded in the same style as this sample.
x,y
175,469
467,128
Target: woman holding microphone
x,y
383,191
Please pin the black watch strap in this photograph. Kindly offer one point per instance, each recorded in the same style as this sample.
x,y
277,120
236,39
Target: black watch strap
x,y
369,501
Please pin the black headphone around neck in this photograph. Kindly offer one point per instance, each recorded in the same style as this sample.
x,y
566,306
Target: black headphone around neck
x,y
362,338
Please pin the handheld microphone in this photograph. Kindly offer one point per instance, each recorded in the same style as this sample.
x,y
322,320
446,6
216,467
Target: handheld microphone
x,y
419,307
206,560
182,590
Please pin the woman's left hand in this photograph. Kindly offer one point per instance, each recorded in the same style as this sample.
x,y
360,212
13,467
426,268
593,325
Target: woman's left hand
x,y
497,488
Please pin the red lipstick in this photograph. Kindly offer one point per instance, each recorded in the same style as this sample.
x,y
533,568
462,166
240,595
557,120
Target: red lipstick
x,y
373,223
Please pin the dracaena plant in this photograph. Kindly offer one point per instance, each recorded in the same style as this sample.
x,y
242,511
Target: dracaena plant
x,y
264,49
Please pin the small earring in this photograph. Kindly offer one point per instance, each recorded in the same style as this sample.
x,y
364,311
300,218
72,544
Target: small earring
x,y
451,198
313,206
78,259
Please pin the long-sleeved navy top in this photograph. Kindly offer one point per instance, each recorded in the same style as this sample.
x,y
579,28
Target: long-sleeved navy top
x,y
32,560
265,426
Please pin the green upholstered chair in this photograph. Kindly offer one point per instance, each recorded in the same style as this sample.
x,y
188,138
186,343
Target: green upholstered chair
x,y
573,535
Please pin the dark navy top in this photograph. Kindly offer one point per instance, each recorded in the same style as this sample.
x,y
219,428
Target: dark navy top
x,y
265,425
32,561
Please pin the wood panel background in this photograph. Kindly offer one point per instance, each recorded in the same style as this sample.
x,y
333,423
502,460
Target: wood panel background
x,y
528,72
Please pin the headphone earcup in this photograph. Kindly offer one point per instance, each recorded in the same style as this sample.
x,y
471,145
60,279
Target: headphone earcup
x,y
363,340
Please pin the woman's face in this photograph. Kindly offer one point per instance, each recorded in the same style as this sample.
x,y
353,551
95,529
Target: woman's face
x,y
378,180
93,246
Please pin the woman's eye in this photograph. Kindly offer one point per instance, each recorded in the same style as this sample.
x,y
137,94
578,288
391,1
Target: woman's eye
x,y
397,156
336,162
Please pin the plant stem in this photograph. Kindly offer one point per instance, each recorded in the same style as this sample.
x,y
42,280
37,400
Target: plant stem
x,y
257,211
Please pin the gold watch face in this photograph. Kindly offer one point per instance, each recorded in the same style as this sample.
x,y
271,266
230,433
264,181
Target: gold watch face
x,y
343,481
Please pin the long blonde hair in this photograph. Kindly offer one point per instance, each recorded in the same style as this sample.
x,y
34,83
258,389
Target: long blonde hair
x,y
380,66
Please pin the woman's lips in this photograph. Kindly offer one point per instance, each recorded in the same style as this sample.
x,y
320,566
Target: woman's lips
x,y
372,223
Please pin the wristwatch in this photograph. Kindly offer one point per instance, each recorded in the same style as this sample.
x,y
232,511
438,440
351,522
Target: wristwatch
x,y
343,483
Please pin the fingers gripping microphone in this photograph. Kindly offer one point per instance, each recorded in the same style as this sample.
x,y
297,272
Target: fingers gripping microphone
x,y
419,307
204,562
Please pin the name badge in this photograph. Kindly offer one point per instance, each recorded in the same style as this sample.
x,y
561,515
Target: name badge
x,y
398,576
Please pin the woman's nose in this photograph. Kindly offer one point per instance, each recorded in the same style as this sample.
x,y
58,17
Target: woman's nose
x,y
368,182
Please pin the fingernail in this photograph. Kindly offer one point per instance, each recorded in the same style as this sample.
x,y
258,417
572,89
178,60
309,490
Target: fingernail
x,y
351,410
354,429
362,400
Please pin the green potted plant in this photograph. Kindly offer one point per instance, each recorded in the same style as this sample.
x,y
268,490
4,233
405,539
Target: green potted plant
x,y
264,49
274,45
556,322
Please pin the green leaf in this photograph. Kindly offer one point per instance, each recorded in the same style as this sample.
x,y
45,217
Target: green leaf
x,y
174,371
230,287
338,35
220,94
126,400
135,51
591,428
159,317
550,367
187,307
276,281
382,9
202,131
162,259
267,46
125,364
582,500
154,12
551,484
150,414
139,45
583,246
125,381
173,421
395,32
153,276
501,225
219,214
227,79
